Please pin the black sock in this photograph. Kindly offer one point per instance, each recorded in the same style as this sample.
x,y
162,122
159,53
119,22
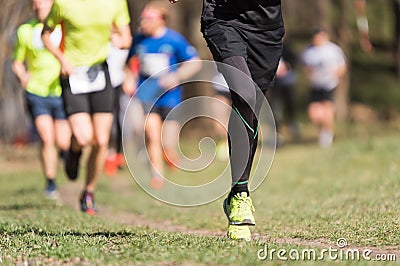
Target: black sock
x,y
63,154
51,183
238,188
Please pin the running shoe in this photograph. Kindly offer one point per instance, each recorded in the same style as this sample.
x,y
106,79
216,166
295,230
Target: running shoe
x,y
110,164
157,182
239,232
87,203
239,210
51,191
72,164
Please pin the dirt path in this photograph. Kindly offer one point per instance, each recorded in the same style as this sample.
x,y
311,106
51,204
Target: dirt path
x,y
68,195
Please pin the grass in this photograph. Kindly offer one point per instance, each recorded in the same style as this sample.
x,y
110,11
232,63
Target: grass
x,y
311,198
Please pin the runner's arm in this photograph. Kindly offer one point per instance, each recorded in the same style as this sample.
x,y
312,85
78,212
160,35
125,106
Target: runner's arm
x,y
185,71
66,67
341,70
121,37
21,72
129,86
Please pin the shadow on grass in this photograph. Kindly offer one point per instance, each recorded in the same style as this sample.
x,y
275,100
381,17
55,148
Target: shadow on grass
x,y
40,232
97,234
24,206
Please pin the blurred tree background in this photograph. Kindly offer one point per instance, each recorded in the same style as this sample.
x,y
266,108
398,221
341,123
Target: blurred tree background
x,y
372,82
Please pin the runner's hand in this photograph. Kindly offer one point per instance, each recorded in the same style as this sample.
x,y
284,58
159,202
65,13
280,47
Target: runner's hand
x,y
129,86
169,81
66,68
24,80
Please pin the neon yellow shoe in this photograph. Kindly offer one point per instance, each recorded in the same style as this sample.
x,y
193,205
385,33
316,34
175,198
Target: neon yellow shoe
x,y
239,232
239,210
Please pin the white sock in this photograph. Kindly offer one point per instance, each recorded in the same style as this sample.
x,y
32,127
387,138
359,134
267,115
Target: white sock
x,y
325,138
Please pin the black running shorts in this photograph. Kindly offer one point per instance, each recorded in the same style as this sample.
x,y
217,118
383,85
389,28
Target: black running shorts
x,y
261,49
95,102
321,95
163,111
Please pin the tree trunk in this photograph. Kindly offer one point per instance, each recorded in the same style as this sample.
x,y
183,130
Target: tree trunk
x,y
13,118
322,13
344,40
396,10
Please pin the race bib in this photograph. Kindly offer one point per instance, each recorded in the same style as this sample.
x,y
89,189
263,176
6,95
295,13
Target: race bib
x,y
87,79
152,64
116,61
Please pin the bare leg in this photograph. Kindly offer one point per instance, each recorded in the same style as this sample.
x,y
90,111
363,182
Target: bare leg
x,y
323,115
102,123
48,153
170,140
153,142
82,129
62,134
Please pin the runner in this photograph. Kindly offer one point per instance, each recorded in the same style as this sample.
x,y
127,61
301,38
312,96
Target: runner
x,y
246,35
156,48
87,92
325,64
38,72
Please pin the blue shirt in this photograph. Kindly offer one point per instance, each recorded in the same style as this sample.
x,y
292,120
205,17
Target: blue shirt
x,y
155,54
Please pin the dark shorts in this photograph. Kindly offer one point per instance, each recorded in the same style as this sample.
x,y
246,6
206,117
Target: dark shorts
x,y
321,95
261,49
38,105
162,111
95,102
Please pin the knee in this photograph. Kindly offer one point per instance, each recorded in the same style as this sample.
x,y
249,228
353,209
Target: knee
x,y
102,141
84,140
48,140
238,77
63,143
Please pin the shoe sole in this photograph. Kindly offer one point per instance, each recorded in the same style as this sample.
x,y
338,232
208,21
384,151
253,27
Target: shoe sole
x,y
241,239
91,212
247,239
51,195
244,222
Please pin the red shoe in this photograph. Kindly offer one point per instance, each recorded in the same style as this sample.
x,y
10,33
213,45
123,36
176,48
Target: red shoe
x,y
110,165
157,182
87,203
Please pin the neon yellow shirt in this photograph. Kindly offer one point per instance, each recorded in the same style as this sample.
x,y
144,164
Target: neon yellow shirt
x,y
86,27
43,67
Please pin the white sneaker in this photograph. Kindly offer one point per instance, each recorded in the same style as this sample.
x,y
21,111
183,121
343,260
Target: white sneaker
x,y
325,139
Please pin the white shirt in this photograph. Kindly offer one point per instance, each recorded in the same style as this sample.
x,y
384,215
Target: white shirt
x,y
324,61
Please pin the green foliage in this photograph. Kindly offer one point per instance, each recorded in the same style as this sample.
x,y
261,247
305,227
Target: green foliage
x,y
373,80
